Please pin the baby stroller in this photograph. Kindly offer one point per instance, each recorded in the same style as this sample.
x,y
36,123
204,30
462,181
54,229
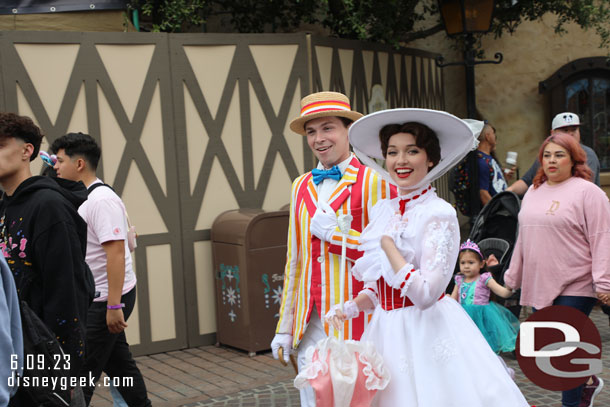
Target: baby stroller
x,y
495,230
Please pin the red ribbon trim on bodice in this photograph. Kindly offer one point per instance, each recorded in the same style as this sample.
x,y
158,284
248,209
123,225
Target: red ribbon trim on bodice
x,y
390,298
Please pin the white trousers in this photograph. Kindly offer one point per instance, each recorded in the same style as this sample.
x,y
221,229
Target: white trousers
x,y
313,333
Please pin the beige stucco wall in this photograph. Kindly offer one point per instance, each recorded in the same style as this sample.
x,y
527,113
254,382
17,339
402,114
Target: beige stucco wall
x,y
454,80
507,94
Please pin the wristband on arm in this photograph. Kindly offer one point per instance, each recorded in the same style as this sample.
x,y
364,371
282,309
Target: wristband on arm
x,y
118,306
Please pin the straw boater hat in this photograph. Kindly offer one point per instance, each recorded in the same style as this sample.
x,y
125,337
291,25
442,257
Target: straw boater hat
x,y
322,104
456,137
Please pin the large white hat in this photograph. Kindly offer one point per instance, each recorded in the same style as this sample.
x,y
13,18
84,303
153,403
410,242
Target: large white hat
x,y
456,137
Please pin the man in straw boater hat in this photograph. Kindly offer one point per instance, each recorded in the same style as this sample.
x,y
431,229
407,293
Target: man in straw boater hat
x,y
339,184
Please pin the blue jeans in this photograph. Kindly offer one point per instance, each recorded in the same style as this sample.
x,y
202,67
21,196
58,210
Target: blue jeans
x,y
571,398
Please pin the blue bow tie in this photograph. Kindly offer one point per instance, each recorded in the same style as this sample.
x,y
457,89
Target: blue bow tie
x,y
320,175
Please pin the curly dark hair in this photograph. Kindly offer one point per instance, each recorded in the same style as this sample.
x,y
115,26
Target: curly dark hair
x,y
424,136
21,127
79,144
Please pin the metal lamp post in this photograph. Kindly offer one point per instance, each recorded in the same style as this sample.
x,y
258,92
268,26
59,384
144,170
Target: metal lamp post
x,y
466,18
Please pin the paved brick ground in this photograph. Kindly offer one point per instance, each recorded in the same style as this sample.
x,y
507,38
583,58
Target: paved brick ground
x,y
215,377
192,375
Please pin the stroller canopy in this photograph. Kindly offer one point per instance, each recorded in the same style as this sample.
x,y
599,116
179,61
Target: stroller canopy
x,y
495,230
499,219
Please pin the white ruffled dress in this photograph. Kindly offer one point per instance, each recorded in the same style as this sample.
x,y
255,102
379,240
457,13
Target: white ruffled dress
x,y
434,352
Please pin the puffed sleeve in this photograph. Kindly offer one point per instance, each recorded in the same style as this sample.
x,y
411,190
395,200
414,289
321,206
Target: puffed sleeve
x,y
373,263
440,239
485,277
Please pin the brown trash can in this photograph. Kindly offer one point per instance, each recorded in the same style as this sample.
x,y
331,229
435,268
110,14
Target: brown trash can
x,y
249,254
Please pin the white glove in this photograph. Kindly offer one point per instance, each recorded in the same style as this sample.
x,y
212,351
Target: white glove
x,y
394,225
282,341
335,317
350,310
345,223
324,222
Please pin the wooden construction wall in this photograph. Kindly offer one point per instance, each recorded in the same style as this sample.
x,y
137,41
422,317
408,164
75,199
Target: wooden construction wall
x,y
191,126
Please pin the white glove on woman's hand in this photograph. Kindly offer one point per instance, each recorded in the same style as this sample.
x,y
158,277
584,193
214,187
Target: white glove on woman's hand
x,y
282,341
394,225
350,310
324,222
336,317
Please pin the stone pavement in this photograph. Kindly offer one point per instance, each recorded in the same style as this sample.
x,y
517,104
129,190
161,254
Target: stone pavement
x,y
214,377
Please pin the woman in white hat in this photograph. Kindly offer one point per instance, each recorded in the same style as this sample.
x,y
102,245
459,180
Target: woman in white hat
x,y
434,352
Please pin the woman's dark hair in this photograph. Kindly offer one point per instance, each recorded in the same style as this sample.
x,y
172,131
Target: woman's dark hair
x,y
424,136
470,251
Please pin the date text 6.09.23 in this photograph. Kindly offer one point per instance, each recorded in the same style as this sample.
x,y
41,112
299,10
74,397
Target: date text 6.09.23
x,y
38,362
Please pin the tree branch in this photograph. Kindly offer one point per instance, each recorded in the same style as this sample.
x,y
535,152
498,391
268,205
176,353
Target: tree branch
x,y
415,35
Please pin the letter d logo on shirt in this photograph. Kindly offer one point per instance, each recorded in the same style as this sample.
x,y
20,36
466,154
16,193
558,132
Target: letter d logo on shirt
x,y
558,348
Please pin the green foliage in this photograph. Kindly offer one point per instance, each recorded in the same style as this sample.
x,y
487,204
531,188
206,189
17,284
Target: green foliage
x,y
257,16
588,14
387,21
173,15
375,20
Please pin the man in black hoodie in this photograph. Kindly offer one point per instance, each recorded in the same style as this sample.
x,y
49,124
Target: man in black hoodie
x,y
43,239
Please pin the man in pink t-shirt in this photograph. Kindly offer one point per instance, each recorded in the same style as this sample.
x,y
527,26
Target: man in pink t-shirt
x,y
110,262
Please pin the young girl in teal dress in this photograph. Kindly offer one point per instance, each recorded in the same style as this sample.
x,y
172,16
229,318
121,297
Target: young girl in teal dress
x,y
472,289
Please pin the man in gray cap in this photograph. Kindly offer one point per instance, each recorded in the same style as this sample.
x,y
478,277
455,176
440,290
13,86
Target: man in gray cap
x,y
565,123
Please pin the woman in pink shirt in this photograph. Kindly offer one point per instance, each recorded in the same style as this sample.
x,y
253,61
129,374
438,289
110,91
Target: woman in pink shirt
x,y
561,256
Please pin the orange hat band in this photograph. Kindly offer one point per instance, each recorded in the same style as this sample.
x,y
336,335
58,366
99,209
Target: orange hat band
x,y
324,106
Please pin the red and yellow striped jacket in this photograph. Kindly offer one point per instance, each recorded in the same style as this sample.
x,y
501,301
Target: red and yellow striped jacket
x,y
311,274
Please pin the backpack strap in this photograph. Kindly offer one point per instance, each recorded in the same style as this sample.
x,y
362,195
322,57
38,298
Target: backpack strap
x,y
131,231
99,184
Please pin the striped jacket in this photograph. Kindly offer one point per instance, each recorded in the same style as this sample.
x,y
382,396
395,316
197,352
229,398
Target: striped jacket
x,y
311,274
